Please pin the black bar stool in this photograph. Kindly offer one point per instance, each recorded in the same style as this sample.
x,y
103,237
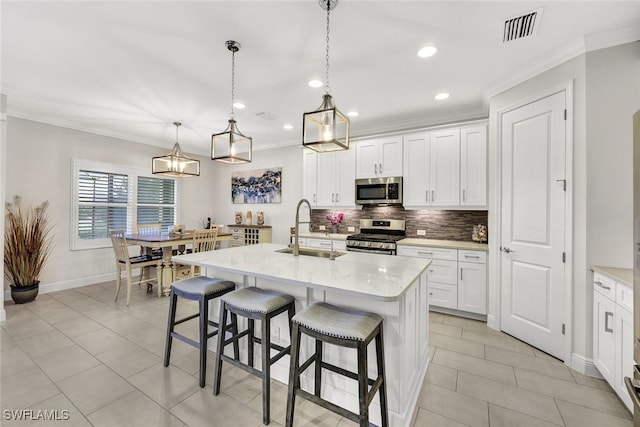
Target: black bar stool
x,y
202,289
254,304
347,328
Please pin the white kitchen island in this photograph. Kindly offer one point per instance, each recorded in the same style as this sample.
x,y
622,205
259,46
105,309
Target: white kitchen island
x,y
393,287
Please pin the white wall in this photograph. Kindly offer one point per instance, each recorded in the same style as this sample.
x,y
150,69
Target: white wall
x,y
3,167
280,216
613,96
606,89
38,168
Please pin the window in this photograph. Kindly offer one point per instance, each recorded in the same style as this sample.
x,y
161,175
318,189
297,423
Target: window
x,y
156,201
110,197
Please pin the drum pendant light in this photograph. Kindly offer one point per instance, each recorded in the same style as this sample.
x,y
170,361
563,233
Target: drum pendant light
x,y
231,146
175,164
326,128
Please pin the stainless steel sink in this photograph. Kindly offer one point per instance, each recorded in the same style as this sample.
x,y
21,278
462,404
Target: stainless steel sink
x,y
321,253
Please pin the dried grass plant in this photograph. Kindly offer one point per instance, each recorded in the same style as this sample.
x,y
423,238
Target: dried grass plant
x,y
27,242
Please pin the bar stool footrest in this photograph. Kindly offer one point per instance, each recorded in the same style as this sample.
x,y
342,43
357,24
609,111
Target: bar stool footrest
x,y
330,406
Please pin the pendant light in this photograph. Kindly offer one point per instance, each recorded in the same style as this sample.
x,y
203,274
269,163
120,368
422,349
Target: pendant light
x,y
326,128
175,164
231,146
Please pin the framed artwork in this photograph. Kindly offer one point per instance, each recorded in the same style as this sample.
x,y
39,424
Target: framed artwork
x,y
257,186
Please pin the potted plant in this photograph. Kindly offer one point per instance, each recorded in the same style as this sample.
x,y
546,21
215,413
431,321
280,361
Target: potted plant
x,y
27,246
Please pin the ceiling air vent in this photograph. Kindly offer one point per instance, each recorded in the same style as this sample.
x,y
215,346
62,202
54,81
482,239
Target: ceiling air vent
x,y
521,26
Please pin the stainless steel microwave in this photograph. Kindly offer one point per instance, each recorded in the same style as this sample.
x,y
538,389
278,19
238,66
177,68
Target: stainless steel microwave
x,y
379,191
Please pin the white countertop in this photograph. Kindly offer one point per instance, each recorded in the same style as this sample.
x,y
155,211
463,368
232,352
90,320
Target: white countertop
x,y
622,275
447,244
379,277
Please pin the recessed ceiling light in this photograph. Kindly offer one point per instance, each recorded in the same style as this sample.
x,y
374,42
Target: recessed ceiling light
x,y
427,51
288,126
239,105
441,96
353,114
315,83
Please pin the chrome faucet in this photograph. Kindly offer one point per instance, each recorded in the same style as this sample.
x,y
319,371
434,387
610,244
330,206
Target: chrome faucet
x,y
332,254
296,245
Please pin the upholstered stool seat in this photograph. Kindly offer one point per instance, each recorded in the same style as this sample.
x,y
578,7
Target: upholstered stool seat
x,y
202,289
342,327
254,304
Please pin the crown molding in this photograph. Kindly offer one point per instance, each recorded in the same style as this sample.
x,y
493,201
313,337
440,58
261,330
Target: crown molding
x,y
612,38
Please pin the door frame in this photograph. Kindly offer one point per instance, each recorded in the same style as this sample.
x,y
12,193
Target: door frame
x,y
495,262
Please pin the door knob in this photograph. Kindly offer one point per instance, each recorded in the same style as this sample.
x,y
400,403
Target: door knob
x,y
505,249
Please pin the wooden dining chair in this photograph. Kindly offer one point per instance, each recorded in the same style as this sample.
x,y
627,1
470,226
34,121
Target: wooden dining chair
x,y
149,229
203,240
128,263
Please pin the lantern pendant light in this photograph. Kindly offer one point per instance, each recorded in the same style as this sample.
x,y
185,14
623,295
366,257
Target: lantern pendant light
x,y
175,164
326,128
231,146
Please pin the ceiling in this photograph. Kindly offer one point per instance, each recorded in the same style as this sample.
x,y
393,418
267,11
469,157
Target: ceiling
x,y
130,69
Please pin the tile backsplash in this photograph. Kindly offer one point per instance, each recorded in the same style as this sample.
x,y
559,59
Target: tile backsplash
x,y
438,224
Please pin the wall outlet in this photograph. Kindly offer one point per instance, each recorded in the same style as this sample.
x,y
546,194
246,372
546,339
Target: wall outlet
x,y
322,227
422,233
351,229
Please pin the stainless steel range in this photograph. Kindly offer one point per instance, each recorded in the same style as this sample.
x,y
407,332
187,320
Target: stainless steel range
x,y
378,236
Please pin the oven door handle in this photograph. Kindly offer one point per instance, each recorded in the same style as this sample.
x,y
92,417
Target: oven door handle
x,y
369,251
633,392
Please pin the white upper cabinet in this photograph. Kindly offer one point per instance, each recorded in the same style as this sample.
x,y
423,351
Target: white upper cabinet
x,y
336,179
473,166
416,173
444,165
310,176
446,168
379,157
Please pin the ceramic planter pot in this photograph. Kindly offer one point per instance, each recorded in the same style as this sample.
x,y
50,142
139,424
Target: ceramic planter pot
x,y
24,294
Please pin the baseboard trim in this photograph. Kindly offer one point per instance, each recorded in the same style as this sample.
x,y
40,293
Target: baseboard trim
x,y
67,284
584,365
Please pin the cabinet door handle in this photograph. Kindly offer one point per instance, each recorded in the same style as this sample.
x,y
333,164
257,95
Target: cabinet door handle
x,y
314,198
606,321
461,273
472,256
464,195
337,197
333,197
599,283
425,253
375,168
380,169
433,195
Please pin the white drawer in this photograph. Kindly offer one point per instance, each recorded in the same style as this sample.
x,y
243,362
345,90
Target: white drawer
x,y
604,285
428,252
624,296
472,256
338,245
441,271
302,241
443,295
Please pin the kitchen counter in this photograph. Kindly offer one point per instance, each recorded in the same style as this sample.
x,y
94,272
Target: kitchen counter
x,y
620,275
396,288
371,276
447,244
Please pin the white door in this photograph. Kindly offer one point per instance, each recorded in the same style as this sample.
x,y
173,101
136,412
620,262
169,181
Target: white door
x,y
367,159
444,170
310,179
327,178
473,166
532,229
472,287
415,185
390,156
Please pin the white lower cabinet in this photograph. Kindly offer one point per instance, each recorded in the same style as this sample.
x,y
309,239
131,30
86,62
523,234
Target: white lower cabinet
x,y
457,278
613,333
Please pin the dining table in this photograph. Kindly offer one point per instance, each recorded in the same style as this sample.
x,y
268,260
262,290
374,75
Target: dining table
x,y
167,242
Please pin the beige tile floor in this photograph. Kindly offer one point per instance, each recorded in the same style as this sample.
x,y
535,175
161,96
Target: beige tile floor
x,y
79,351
